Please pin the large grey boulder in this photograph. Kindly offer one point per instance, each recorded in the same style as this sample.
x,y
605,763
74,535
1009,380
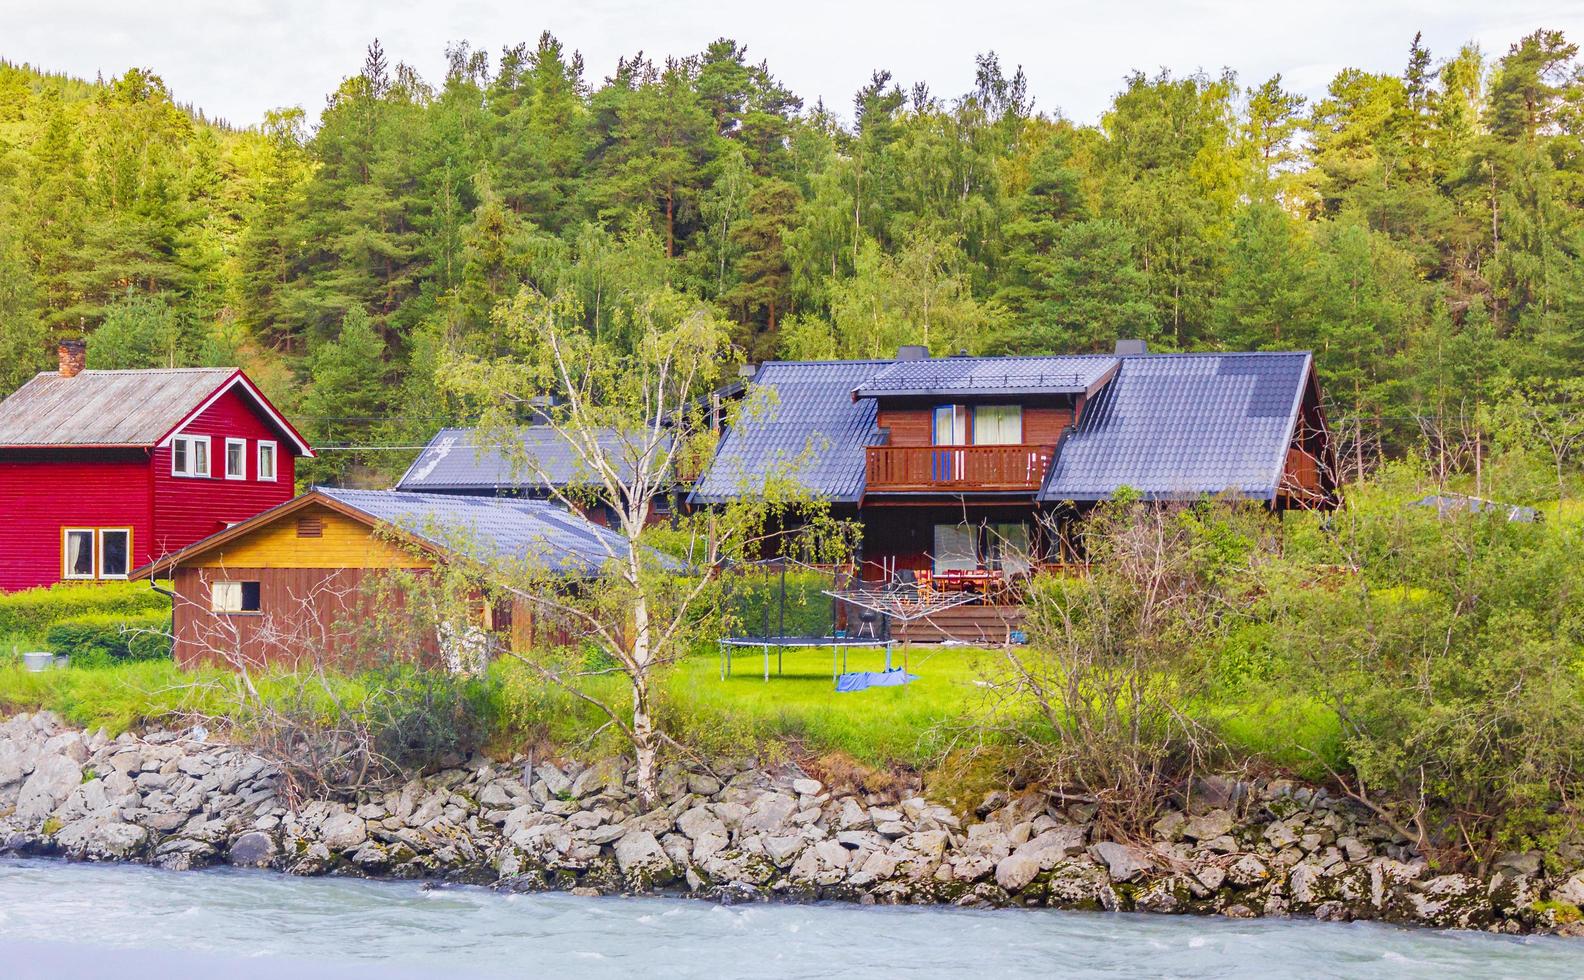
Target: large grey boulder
x,y
342,831
1123,863
101,838
1248,871
254,849
52,781
1015,871
1208,826
698,821
769,813
1571,890
16,761
642,861
1055,844
1040,853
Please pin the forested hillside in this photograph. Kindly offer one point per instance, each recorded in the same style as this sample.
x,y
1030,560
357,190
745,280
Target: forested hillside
x,y
1421,229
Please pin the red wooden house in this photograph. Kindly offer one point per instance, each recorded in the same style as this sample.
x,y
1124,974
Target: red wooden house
x,y
104,471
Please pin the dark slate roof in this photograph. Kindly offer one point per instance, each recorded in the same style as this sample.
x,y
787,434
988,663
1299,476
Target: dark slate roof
x,y
810,406
453,460
1065,375
104,408
1178,426
492,528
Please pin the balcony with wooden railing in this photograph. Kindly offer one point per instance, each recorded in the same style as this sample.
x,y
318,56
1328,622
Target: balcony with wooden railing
x,y
956,469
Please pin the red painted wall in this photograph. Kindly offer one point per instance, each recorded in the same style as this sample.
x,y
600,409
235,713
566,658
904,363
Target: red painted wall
x,y
40,493
188,509
43,491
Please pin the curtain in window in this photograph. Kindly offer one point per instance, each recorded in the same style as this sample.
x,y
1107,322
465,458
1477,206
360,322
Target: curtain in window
x,y
951,425
998,425
266,467
225,596
79,553
200,451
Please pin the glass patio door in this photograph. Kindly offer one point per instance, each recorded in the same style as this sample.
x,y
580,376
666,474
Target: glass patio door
x,y
956,548
950,428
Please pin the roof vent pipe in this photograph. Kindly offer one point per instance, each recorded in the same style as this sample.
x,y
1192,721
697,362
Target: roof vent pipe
x,y
73,357
912,352
1131,348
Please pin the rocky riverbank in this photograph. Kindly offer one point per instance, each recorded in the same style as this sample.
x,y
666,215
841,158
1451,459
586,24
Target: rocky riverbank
x,y
740,833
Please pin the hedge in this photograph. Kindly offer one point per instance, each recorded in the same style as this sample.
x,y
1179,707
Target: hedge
x,y
35,610
106,639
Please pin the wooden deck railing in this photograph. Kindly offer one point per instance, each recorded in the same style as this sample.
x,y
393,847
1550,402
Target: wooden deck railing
x,y
959,468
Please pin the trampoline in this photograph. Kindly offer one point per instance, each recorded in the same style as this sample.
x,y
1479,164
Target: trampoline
x,y
839,646
815,627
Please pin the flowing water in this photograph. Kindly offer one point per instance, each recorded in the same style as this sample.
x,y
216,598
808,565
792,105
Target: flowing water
x,y
62,920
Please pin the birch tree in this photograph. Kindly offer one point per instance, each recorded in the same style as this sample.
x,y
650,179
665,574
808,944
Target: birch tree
x,y
638,427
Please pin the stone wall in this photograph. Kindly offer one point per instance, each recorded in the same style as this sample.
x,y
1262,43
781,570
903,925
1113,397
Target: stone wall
x,y
742,833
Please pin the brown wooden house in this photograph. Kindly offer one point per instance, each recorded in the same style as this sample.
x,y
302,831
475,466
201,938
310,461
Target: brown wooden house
x,y
957,468
314,579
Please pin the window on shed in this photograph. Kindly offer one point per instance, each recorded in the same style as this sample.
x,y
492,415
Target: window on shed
x,y
310,527
115,552
234,597
77,552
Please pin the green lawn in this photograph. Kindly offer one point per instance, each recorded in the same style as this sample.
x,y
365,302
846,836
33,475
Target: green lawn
x,y
795,712
908,724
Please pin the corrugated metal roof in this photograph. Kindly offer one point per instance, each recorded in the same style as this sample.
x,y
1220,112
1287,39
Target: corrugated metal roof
x,y
1178,426
1455,503
466,459
492,528
810,407
1062,375
104,408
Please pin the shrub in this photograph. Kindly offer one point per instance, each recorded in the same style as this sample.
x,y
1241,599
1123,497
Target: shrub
x,y
421,719
107,639
33,611
1451,661
333,734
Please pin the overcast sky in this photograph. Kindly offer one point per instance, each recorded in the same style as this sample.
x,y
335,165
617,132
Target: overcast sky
x,y
237,58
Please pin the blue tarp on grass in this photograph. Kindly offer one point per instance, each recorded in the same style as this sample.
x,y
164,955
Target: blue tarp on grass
x,y
859,680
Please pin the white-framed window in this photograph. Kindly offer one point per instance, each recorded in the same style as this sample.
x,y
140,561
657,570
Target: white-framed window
x,y
77,552
234,597
266,461
998,425
190,456
115,552
236,459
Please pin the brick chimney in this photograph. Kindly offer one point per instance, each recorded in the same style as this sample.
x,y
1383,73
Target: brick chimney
x,y
73,357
